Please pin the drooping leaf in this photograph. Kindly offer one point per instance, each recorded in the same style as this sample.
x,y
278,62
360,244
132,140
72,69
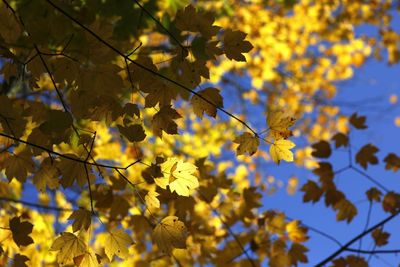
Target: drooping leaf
x,y
235,45
392,162
117,243
380,237
163,121
69,246
373,194
151,199
88,259
340,140
72,171
279,123
297,253
366,155
280,150
82,219
248,143
200,106
296,232
170,233
345,210
19,165
312,192
391,202
358,121
46,176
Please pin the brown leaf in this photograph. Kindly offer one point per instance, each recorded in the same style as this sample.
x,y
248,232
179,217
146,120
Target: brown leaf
x,y
134,133
82,219
20,231
333,196
20,260
312,192
297,253
350,261
373,194
391,202
366,155
163,120
200,106
248,143
346,210
380,237
322,149
340,140
325,173
72,171
358,121
235,45
392,162
19,165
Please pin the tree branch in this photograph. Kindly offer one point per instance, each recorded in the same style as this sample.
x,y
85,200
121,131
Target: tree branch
x,y
388,251
31,204
349,243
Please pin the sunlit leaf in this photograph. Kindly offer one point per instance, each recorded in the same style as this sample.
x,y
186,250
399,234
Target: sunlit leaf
x,y
117,243
170,233
280,150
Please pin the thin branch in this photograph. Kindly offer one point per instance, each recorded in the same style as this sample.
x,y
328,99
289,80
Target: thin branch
x,y
388,251
367,222
90,189
349,243
317,231
31,204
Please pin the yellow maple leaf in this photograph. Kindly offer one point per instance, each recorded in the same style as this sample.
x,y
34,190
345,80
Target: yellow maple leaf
x,y
152,200
280,150
69,246
170,233
89,259
117,243
179,176
279,124
82,219
295,232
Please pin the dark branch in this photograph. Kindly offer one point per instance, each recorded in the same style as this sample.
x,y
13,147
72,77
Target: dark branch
x,y
388,251
349,243
35,205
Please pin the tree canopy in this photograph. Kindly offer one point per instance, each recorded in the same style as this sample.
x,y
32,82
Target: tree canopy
x,y
146,133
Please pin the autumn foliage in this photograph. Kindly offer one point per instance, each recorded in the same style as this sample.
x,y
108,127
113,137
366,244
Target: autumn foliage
x,y
136,133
